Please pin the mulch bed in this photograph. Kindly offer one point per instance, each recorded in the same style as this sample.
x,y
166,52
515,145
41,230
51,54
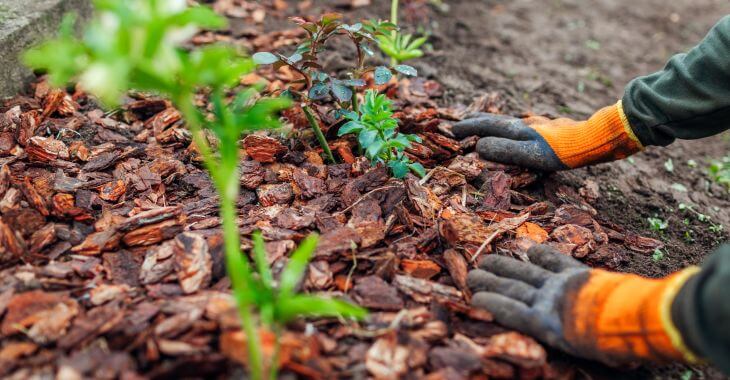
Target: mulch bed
x,y
111,251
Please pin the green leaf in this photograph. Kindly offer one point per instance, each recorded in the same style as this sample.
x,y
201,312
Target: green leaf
x,y
318,91
341,92
414,138
259,256
354,82
298,262
354,28
374,149
417,168
382,75
312,306
265,58
406,70
401,141
345,113
349,127
296,57
329,18
418,42
319,76
399,168
199,16
367,137
367,50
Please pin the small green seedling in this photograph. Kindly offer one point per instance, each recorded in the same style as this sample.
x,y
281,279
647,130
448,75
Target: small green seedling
x,y
377,134
719,171
137,45
658,255
320,86
398,46
280,304
669,165
714,228
657,224
687,375
401,47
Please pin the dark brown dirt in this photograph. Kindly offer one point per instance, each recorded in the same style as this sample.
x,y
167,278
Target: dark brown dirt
x,y
569,58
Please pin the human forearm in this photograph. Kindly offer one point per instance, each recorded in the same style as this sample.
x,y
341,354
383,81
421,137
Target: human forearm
x,y
701,310
689,98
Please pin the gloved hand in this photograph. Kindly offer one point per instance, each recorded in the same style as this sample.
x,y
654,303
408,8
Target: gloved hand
x,y
540,143
611,317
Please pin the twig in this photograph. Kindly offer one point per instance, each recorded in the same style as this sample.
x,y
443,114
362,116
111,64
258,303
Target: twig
x,y
365,195
351,272
427,177
318,133
481,247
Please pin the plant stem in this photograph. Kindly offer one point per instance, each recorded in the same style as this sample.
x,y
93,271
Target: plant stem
x,y
394,20
227,195
318,132
232,245
274,364
355,102
394,13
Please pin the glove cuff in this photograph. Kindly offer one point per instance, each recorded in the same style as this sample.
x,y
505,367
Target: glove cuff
x,y
620,318
605,136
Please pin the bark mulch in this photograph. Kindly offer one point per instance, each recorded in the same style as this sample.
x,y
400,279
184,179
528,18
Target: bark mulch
x,y
111,249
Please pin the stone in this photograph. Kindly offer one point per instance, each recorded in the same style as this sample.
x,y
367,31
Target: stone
x,y
23,24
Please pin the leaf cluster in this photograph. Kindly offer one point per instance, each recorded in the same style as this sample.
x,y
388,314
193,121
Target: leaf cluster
x,y
657,224
280,304
401,47
306,59
377,134
719,171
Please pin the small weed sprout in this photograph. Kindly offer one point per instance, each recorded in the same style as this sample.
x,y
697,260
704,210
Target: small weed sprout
x,y
657,224
281,304
714,228
719,171
658,255
398,46
320,86
136,45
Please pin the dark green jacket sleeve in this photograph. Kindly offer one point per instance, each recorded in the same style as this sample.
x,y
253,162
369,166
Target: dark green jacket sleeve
x,y
689,98
701,310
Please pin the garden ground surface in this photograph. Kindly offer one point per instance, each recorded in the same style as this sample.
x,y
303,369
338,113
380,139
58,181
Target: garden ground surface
x,y
98,278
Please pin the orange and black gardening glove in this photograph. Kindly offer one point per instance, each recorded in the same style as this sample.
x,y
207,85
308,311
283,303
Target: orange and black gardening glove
x,y
540,143
615,318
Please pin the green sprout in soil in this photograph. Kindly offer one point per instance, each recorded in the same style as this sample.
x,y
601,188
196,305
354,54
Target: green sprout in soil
x,y
319,86
719,171
658,255
281,304
657,224
398,46
376,133
712,227
136,45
